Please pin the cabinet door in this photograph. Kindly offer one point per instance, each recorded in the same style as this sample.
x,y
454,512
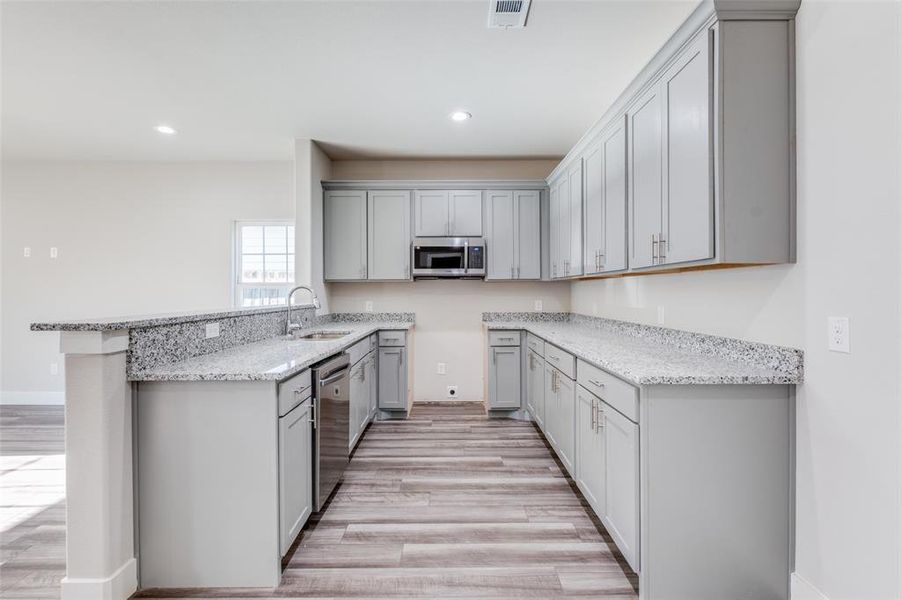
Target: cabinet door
x,y
575,219
504,377
594,226
465,213
295,445
344,234
372,382
535,388
392,386
566,421
550,404
431,215
688,205
554,230
621,517
356,399
564,228
590,461
645,164
613,253
499,206
389,235
527,229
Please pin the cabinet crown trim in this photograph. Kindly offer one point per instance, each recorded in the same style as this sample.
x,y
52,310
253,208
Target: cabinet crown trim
x,y
437,184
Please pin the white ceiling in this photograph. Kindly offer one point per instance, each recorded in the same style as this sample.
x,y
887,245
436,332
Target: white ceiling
x,y
240,80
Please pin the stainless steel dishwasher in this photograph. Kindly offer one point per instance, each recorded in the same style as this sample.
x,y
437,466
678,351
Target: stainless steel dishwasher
x,y
331,425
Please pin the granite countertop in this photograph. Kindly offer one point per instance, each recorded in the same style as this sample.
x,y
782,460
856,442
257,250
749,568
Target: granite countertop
x,y
272,359
664,356
156,320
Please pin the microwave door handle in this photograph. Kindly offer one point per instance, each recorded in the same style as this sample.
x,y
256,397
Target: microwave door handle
x,y
466,256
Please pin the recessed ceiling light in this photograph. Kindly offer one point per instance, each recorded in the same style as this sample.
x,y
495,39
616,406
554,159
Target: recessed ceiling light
x,y
165,129
460,115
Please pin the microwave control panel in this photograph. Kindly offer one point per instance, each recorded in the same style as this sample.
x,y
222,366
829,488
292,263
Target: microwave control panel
x,y
476,258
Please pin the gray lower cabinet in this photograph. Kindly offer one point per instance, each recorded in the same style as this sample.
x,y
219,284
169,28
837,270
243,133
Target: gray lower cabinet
x,y
389,235
295,473
535,388
359,402
504,378
372,382
620,508
591,463
559,411
392,380
344,235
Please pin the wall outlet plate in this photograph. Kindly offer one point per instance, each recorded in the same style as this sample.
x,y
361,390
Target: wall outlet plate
x,y
839,331
539,306
442,368
54,368
54,252
451,391
212,330
368,306
27,252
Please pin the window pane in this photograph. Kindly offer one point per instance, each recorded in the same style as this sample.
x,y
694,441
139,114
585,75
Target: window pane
x,y
290,239
290,268
251,239
263,296
276,240
251,268
276,268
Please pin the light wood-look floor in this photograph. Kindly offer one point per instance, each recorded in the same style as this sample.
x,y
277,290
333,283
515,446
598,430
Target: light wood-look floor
x,y
32,502
449,504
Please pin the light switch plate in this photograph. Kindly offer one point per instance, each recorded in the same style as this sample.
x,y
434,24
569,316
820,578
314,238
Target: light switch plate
x,y
839,331
27,252
212,330
53,252
442,368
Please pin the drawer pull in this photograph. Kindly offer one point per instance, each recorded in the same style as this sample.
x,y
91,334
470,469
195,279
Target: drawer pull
x,y
595,382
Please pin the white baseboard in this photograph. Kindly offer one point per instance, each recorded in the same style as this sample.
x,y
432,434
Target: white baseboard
x,y
118,586
33,398
801,589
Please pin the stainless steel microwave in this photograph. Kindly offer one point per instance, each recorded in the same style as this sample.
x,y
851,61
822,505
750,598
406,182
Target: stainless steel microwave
x,y
449,257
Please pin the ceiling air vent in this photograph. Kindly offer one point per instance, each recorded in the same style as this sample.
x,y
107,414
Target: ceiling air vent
x,y
506,14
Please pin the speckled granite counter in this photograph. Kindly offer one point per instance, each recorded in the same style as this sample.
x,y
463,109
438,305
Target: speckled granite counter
x,y
647,355
271,359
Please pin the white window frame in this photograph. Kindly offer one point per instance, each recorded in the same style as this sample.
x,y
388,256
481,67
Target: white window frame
x,y
237,286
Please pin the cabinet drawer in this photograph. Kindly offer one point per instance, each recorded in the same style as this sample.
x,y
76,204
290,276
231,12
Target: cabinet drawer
x,y
536,344
615,392
564,361
503,338
392,338
294,391
358,351
373,341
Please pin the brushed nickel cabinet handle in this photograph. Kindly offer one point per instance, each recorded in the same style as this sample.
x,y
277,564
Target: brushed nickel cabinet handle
x,y
597,383
661,248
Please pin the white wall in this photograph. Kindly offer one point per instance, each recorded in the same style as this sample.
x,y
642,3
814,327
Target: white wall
x,y
311,167
849,409
132,237
448,313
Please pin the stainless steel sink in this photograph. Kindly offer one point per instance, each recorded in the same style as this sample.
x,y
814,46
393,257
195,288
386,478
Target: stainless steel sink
x,y
318,335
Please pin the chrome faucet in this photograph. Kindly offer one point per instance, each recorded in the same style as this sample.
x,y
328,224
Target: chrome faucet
x,y
292,327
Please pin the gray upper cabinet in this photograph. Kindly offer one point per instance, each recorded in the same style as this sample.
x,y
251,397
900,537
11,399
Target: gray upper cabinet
x,y
605,200
527,227
645,191
501,250
504,378
441,213
465,209
513,228
344,235
574,252
431,216
389,235
555,260
687,233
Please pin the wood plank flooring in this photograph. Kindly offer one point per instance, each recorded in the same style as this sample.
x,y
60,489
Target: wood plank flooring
x,y
449,504
32,502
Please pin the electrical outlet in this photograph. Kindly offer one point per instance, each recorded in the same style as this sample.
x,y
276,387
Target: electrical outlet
x,y
539,306
661,317
212,330
442,368
368,306
451,391
54,368
27,252
839,330
53,252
